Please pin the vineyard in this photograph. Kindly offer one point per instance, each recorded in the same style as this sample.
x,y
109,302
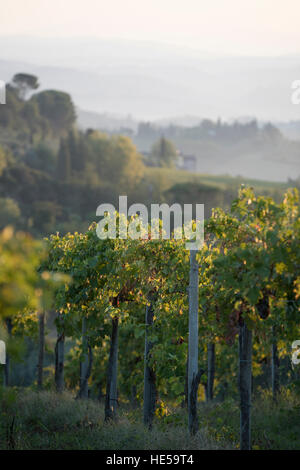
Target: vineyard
x,y
144,324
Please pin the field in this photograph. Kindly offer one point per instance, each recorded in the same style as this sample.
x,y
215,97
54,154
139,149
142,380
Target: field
x,y
172,176
45,420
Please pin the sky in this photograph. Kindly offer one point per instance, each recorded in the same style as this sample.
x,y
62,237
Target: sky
x,y
226,27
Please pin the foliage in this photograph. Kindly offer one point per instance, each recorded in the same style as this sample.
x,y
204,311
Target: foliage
x,y
9,212
163,153
25,82
19,260
248,270
45,420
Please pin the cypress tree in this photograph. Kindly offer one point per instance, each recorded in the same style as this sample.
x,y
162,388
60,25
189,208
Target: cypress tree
x,y
64,162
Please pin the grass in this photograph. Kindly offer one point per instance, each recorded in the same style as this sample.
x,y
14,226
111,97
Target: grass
x,y
171,177
275,426
46,420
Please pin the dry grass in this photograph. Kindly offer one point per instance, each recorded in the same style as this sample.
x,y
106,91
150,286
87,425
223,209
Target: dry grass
x,y
46,420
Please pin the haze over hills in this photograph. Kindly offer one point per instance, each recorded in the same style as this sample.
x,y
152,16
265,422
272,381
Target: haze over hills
x,y
152,81
117,83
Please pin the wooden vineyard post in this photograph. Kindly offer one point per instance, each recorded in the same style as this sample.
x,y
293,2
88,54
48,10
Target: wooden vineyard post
x,y
193,344
245,385
149,374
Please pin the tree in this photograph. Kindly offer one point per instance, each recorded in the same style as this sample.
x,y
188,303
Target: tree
x,y
78,149
20,258
9,212
3,161
116,160
31,116
25,83
41,157
63,162
163,153
126,168
58,108
44,215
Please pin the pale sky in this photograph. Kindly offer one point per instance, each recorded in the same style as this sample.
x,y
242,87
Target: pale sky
x,y
255,27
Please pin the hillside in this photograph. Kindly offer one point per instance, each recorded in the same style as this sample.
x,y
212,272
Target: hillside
x,y
150,80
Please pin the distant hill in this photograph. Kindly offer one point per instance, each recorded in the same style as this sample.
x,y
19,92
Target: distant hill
x,y
154,81
290,129
258,156
121,83
105,121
